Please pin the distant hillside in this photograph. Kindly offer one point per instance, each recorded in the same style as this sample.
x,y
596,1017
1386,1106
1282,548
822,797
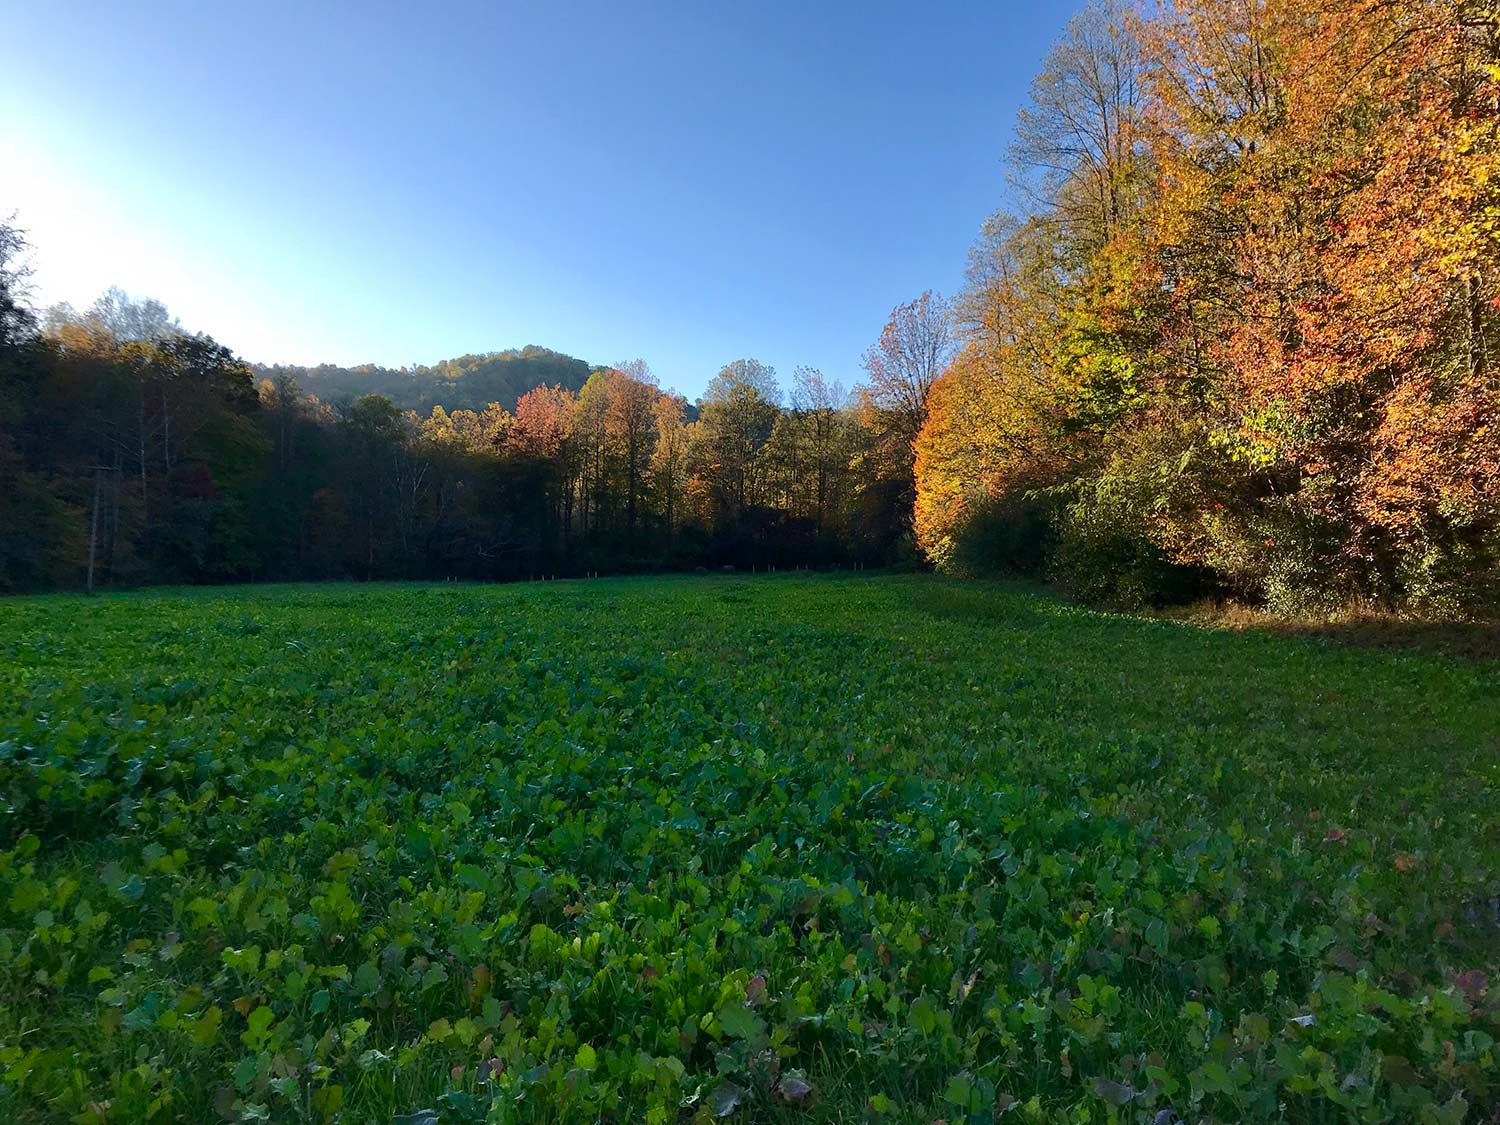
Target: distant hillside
x,y
470,382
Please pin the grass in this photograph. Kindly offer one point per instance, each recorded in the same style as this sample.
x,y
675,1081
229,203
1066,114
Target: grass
x,y
1360,626
801,848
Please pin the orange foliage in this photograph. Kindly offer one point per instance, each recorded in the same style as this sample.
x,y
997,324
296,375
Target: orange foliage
x,y
543,422
1296,316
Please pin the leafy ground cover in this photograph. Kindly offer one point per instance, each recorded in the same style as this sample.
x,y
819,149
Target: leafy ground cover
x,y
800,849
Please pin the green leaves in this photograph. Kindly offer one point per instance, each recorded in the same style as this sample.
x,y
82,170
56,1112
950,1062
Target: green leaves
x,y
131,889
968,1095
725,1098
145,1014
740,1022
923,1015
258,1028
1156,935
366,979
954,835
205,1029
1112,1092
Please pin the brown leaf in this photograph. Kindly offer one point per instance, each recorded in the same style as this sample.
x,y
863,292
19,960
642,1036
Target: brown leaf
x,y
755,991
1473,983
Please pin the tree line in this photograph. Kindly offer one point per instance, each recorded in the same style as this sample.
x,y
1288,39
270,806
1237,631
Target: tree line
x,y
1241,338
133,451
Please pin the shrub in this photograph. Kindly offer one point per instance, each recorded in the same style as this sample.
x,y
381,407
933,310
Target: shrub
x,y
1106,554
1012,535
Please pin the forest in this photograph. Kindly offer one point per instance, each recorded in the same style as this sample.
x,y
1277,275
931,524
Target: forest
x,y
1236,340
137,452
1243,338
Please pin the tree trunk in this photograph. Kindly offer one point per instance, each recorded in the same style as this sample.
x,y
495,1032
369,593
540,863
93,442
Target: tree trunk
x,y
141,442
94,530
114,515
166,433
630,486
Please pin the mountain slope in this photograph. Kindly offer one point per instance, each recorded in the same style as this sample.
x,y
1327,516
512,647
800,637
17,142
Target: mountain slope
x,y
468,382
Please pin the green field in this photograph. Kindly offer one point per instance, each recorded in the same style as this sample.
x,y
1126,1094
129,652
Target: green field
x,y
801,849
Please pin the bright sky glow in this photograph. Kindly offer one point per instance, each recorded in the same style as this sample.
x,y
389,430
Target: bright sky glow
x,y
403,183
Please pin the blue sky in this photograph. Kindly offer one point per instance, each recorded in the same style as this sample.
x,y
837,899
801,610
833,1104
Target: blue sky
x,y
395,183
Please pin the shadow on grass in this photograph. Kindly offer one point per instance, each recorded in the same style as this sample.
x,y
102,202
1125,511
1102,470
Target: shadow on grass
x,y
1476,641
1033,605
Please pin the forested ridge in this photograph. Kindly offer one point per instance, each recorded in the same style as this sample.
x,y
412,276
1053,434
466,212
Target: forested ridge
x,y
1237,339
467,382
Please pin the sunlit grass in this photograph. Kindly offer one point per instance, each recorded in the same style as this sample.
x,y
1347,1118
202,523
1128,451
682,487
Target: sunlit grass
x,y
655,848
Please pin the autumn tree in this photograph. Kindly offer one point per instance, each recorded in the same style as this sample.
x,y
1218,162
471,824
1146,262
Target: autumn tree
x,y
544,438
1245,331
914,347
1074,154
630,420
820,404
739,410
669,457
38,526
543,423
17,321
